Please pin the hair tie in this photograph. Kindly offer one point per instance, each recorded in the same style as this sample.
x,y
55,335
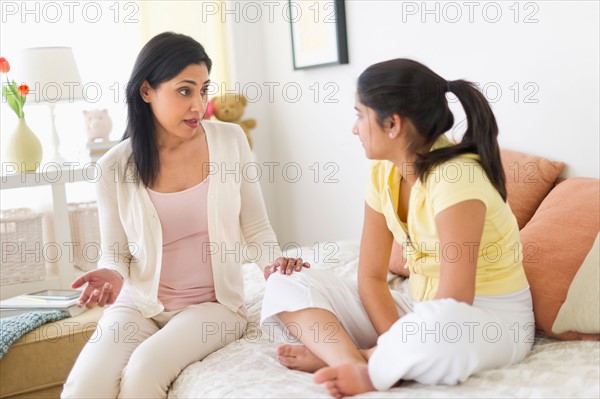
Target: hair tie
x,y
448,85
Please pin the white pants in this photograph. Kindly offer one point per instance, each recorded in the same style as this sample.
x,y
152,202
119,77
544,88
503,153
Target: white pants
x,y
132,356
312,288
434,342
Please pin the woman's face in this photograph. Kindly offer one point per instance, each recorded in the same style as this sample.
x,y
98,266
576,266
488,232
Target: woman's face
x,y
369,131
179,104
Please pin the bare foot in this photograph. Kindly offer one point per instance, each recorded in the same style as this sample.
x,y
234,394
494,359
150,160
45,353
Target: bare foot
x,y
299,357
345,380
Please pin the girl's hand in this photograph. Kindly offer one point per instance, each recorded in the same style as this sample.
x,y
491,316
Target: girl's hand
x,y
397,261
286,266
103,287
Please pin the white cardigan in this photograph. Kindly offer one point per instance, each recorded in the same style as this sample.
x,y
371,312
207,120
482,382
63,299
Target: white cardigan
x,y
131,233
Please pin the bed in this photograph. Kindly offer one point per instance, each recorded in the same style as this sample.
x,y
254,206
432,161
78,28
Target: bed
x,y
248,368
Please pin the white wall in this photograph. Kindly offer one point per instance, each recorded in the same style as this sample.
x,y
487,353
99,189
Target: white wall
x,y
553,59
558,55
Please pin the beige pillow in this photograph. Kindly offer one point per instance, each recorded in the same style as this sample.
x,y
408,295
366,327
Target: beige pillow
x,y
581,310
529,179
556,241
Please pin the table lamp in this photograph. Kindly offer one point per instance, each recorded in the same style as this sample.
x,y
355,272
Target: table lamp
x,y
52,76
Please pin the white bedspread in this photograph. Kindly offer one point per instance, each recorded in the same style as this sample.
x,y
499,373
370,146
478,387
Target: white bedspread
x,y
248,368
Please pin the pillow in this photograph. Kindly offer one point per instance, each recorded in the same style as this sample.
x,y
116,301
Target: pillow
x,y
555,244
581,310
529,179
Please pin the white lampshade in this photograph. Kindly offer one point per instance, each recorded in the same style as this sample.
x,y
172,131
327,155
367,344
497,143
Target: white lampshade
x,y
51,74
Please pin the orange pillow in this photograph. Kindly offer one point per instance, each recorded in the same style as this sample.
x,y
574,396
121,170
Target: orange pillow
x,y
529,179
555,243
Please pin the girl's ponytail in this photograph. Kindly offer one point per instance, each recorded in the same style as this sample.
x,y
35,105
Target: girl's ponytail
x,y
482,131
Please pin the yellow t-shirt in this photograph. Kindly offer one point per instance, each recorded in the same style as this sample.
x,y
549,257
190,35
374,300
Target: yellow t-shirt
x,y
499,264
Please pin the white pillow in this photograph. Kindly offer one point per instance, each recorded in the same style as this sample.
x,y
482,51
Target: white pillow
x,y
581,310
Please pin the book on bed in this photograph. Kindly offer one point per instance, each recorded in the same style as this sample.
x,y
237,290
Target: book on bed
x,y
42,301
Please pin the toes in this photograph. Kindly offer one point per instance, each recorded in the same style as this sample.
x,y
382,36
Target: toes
x,y
285,350
325,374
284,360
333,389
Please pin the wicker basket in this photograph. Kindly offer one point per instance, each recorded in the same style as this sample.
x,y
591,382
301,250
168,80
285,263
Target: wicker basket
x,y
85,232
22,243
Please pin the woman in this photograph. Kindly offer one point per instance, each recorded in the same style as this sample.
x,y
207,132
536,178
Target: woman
x,y
468,306
172,220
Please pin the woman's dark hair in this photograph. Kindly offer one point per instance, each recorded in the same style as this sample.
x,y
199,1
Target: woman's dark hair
x,y
161,59
413,91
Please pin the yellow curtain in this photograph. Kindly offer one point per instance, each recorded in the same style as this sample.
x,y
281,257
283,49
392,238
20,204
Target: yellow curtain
x,y
198,19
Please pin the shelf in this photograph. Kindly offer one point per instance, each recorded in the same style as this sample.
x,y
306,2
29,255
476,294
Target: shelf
x,y
49,174
57,176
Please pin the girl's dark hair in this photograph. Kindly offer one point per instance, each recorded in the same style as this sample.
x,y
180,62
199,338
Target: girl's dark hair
x,y
161,59
413,91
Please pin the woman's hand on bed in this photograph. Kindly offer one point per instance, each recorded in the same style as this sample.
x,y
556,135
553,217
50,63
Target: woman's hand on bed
x,y
103,287
285,266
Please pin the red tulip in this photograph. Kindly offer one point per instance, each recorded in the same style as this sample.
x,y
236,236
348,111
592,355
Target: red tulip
x,y
4,65
23,90
14,96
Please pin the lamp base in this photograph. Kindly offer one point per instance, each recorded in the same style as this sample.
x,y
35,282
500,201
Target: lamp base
x,y
55,157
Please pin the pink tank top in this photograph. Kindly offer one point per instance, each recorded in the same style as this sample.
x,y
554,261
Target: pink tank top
x,y
186,276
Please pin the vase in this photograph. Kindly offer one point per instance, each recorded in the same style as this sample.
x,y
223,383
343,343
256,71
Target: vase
x,y
24,148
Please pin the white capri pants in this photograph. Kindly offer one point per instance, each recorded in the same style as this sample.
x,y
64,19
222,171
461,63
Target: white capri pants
x,y
131,356
434,342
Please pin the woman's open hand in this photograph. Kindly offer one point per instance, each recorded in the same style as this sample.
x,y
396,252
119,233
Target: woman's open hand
x,y
286,266
103,287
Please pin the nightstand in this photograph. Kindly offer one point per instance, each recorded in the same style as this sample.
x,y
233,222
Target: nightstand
x,y
37,365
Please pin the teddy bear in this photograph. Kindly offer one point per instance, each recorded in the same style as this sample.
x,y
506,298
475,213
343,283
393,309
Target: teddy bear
x,y
229,107
98,124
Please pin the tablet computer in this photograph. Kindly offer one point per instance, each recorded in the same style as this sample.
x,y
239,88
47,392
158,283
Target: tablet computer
x,y
57,295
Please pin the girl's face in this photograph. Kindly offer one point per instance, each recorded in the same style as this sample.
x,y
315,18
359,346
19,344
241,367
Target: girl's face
x,y
179,104
370,133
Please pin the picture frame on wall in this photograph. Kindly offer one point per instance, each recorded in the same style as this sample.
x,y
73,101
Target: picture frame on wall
x,y
318,32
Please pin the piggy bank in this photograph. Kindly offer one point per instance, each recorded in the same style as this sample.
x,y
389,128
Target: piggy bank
x,y
98,124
